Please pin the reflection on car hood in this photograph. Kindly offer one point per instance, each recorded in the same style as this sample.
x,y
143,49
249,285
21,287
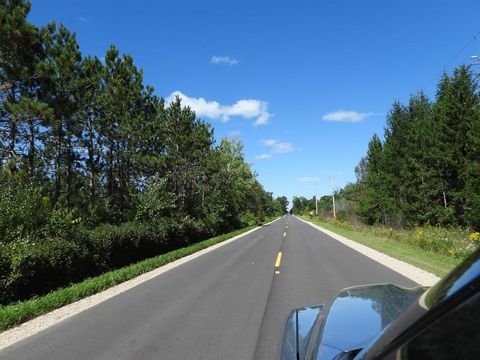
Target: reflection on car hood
x,y
359,314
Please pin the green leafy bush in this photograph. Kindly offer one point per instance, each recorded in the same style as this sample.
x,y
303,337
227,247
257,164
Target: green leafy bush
x,y
70,253
63,224
35,268
248,218
342,216
23,211
114,246
156,202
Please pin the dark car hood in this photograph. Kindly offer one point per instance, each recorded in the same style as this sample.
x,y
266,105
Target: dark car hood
x,y
359,314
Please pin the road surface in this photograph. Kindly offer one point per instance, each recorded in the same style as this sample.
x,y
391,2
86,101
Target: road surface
x,y
230,303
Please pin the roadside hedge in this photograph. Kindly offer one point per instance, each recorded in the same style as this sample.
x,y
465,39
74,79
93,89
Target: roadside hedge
x,y
31,267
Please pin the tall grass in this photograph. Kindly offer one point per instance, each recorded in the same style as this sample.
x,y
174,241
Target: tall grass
x,y
456,242
435,249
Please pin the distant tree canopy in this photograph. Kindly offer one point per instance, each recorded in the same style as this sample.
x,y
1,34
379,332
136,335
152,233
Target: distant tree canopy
x,y
301,204
96,171
91,137
282,204
426,169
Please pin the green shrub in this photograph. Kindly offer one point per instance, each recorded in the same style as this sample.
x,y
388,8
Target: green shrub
x,y
114,246
441,216
156,202
341,216
248,218
69,253
23,210
5,268
63,224
35,268
260,217
186,230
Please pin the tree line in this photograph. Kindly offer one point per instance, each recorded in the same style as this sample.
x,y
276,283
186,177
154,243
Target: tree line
x,y
426,168
86,144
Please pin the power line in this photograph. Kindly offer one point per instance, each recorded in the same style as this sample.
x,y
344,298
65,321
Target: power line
x,y
475,37
464,47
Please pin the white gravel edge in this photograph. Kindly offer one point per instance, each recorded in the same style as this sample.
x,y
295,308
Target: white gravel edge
x,y
42,322
414,273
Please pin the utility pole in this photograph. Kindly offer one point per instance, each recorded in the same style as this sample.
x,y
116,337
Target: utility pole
x,y
330,178
313,180
334,212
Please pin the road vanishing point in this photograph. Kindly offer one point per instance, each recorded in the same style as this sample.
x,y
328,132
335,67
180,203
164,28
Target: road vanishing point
x,y
230,303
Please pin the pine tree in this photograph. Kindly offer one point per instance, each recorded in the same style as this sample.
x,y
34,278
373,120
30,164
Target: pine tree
x,y
63,61
121,116
91,89
421,187
21,112
472,166
456,112
188,141
396,142
372,206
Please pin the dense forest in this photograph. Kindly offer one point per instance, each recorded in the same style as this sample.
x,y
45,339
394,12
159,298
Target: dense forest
x,y
426,168
96,170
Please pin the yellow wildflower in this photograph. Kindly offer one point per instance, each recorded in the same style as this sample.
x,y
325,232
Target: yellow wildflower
x,y
475,236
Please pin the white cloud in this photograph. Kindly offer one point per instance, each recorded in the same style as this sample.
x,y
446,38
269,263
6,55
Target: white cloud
x,y
223,60
278,147
346,116
264,114
307,179
263,156
82,19
282,148
246,108
268,142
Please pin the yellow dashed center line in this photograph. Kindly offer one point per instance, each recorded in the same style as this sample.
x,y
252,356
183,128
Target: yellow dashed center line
x,y
279,259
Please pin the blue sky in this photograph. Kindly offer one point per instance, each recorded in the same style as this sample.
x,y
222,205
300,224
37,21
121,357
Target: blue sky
x,y
304,84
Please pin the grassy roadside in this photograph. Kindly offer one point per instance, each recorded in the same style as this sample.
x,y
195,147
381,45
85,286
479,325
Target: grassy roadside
x,y
437,264
15,314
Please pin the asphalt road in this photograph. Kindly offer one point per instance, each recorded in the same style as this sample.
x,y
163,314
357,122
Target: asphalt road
x,y
226,304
